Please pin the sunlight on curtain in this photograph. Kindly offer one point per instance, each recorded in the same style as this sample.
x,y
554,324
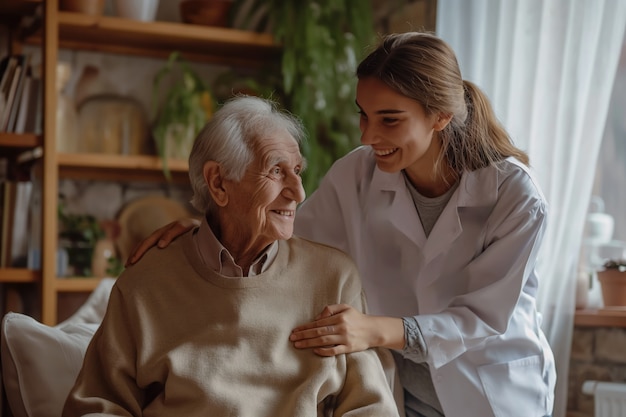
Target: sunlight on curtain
x,y
548,67
611,169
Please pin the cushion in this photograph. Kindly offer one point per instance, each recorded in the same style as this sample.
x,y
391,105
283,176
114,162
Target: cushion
x,y
40,363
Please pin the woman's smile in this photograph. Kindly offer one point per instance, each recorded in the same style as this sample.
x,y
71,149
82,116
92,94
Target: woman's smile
x,y
385,152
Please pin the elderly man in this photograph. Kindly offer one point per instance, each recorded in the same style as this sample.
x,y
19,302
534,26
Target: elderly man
x,y
202,327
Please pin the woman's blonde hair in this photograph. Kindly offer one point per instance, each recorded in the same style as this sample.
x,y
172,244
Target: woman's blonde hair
x,y
423,67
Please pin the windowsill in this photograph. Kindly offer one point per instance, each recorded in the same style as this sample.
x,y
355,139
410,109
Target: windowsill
x,y
604,317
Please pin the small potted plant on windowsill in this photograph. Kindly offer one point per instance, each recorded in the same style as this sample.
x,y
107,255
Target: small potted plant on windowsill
x,y
181,111
613,282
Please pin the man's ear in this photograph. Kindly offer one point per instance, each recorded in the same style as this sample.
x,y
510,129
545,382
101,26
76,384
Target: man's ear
x,y
442,121
212,172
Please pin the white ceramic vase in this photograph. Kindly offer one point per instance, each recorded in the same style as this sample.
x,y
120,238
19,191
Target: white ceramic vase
x,y
144,10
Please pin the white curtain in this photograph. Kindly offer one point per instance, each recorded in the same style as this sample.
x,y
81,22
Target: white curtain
x,y
548,67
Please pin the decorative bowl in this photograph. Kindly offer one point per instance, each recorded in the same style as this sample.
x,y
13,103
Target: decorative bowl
x,y
205,12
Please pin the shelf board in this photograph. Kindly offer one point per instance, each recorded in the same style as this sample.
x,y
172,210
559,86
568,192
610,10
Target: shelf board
x,y
119,167
600,317
215,45
20,140
19,275
77,284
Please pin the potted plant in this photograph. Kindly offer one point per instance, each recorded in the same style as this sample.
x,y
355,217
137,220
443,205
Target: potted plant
x,y
181,111
613,282
78,234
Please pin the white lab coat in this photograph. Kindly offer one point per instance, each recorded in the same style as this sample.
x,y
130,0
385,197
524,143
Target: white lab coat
x,y
471,284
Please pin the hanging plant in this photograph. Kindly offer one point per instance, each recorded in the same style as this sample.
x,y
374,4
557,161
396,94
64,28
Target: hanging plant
x,y
322,42
188,104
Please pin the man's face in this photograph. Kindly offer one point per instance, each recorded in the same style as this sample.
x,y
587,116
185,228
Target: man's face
x,y
261,208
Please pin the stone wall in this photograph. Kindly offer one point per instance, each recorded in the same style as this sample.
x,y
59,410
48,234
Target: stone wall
x,y
598,353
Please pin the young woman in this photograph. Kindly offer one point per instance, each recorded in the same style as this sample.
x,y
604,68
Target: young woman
x,y
441,214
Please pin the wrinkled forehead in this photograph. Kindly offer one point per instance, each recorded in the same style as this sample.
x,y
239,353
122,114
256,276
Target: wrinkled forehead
x,y
277,147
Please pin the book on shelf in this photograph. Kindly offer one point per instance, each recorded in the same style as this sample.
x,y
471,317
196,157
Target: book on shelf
x,y
15,104
9,63
21,212
30,111
15,212
14,81
4,63
33,260
19,235
6,81
16,200
4,120
24,106
10,90
8,192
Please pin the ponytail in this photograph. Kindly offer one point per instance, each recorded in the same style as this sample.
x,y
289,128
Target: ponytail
x,y
480,140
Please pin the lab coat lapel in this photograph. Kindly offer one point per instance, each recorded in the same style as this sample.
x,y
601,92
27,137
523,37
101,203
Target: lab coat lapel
x,y
389,194
446,230
476,189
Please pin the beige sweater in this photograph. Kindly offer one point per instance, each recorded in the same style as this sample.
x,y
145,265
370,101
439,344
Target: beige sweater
x,y
181,340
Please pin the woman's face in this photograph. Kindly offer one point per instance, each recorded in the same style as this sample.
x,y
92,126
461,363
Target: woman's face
x,y
396,127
